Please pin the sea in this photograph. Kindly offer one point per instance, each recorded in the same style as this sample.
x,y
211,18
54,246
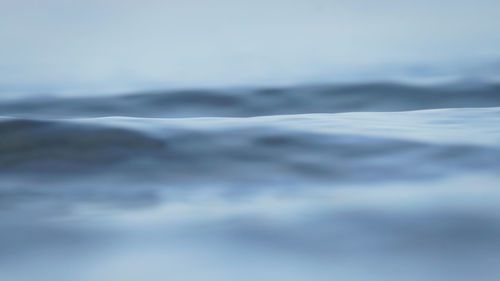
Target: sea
x,y
366,180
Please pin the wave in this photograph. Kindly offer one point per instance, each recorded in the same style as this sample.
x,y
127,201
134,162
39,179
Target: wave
x,y
258,102
279,149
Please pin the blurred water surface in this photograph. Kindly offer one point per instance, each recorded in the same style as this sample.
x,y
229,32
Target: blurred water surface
x,y
360,182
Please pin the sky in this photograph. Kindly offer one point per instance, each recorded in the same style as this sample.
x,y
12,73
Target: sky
x,y
102,44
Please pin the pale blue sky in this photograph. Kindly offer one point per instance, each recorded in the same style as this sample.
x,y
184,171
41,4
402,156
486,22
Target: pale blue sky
x,y
75,44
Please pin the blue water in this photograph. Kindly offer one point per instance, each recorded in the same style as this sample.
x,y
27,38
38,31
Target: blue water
x,y
379,181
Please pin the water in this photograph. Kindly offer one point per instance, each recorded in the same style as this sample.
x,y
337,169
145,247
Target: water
x,y
350,182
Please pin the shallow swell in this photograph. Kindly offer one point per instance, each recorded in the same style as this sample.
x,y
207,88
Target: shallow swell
x,y
241,150
61,146
258,102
